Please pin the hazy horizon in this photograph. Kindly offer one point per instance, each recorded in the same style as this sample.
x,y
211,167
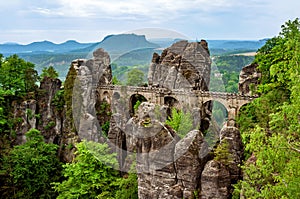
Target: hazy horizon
x,y
90,21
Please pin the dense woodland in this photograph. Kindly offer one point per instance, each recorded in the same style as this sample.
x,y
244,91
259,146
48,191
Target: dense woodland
x,y
270,129
270,125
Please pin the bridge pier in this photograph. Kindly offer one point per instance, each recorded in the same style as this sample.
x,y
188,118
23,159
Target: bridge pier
x,y
232,113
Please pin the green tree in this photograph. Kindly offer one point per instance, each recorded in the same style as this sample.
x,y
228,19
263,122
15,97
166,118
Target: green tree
x,y
181,122
92,173
49,72
272,131
115,81
32,167
18,75
68,93
135,77
128,185
222,153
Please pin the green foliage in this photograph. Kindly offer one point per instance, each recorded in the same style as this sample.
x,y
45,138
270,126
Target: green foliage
x,y
219,113
181,122
232,63
29,114
49,126
91,175
49,72
105,128
68,92
58,100
128,185
115,81
4,110
271,133
229,67
136,106
32,167
104,106
222,153
135,77
17,76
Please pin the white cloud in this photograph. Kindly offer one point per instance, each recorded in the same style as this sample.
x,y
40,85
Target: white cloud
x,y
155,9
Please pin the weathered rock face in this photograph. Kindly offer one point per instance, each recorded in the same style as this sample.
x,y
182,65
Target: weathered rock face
x,y
167,166
90,74
24,114
50,121
191,155
218,176
232,136
215,180
39,113
57,124
249,77
183,65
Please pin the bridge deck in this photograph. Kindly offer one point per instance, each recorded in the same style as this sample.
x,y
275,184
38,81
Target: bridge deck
x,y
184,91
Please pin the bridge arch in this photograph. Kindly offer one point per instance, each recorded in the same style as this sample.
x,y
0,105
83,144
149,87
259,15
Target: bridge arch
x,y
242,106
171,102
134,100
221,101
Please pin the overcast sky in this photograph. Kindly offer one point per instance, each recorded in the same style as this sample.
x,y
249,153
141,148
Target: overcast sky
x,y
25,21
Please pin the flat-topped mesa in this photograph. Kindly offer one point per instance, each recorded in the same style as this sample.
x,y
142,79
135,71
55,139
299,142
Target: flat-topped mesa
x,y
183,65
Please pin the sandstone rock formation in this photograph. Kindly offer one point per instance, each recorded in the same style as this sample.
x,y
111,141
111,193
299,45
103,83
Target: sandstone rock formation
x,y
215,180
249,78
57,124
219,174
39,113
90,74
49,120
24,113
184,65
167,166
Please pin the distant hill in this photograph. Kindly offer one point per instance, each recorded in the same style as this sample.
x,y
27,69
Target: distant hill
x,y
41,47
165,42
116,45
136,57
124,49
218,47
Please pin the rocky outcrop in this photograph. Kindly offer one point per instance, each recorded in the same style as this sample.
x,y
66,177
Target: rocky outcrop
x,y
24,113
215,180
37,111
90,74
50,120
183,65
232,136
191,155
220,173
249,79
167,167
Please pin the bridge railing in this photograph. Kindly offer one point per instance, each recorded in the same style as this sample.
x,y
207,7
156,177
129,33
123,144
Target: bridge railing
x,y
188,91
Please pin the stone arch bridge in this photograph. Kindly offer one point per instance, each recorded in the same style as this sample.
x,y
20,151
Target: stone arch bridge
x,y
183,97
